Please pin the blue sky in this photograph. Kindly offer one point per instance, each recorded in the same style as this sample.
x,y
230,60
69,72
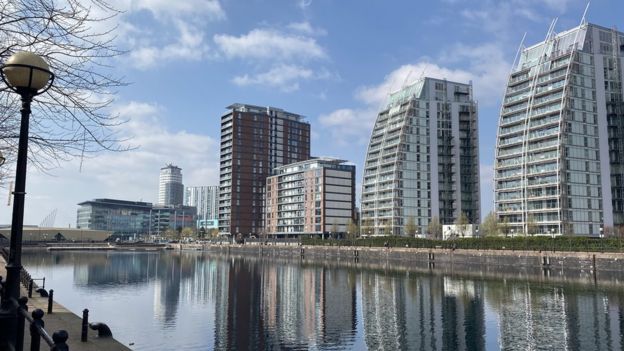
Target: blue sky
x,y
331,61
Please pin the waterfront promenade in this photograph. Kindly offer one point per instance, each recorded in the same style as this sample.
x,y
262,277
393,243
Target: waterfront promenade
x,y
62,318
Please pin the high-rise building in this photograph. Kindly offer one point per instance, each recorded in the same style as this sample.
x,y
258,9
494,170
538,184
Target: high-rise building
x,y
560,148
254,141
119,216
316,196
422,159
170,188
205,199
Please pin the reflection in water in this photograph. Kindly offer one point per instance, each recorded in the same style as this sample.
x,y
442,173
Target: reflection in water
x,y
199,301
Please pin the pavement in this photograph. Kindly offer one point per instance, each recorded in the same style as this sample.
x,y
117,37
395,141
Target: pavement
x,y
63,319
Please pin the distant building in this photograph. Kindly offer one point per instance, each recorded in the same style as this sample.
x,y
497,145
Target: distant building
x,y
316,196
118,216
170,187
205,199
254,141
423,159
176,218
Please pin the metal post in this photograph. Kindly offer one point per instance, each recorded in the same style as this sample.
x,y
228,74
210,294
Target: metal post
x,y
35,338
11,289
19,345
14,264
30,287
50,300
85,325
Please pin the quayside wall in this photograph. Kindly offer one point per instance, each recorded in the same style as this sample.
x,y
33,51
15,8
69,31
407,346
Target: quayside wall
x,y
585,268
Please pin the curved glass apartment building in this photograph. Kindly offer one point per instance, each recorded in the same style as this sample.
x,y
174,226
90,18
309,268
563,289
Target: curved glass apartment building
x,y
559,156
422,159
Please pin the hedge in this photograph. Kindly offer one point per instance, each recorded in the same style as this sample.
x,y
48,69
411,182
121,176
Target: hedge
x,y
561,243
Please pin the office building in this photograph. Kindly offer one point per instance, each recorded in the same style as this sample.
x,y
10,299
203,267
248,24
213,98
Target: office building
x,y
316,196
125,218
560,148
254,141
205,199
422,159
164,218
170,188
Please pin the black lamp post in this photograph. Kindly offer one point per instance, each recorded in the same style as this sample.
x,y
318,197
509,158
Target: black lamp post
x,y
28,75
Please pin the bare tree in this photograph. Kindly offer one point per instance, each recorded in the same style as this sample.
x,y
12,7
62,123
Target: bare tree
x,y
410,227
73,118
435,228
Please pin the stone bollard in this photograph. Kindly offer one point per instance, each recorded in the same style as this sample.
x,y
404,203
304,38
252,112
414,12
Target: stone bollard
x,y
50,300
60,341
85,325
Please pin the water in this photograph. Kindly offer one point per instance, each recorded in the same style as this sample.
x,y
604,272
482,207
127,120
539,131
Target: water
x,y
197,301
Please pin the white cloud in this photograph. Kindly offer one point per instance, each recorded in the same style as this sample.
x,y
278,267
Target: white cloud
x,y
350,125
306,28
283,76
484,65
189,46
163,9
269,44
303,4
131,175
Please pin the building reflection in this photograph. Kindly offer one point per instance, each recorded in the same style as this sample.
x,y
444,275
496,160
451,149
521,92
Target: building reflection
x,y
274,304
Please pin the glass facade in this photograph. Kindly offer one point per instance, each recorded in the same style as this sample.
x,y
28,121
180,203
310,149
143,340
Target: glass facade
x,y
422,159
120,217
554,163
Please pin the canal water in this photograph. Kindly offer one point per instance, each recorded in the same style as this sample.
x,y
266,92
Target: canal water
x,y
198,301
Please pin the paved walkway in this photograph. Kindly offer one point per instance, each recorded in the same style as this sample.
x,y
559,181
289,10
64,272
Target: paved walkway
x,y
62,318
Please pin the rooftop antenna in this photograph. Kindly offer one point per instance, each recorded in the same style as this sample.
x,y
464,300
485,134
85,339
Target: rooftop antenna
x,y
584,19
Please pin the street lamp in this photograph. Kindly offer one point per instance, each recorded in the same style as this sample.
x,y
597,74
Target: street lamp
x,y
28,75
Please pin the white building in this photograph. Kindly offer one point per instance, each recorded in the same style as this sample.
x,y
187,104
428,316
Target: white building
x,y
170,188
560,146
205,199
422,159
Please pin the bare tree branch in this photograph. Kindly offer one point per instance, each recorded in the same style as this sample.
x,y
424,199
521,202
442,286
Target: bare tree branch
x,y
73,119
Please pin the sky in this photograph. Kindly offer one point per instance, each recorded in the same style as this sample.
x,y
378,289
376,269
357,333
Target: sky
x,y
332,61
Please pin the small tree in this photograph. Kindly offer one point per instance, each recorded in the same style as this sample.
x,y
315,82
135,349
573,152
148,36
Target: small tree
x,y
435,228
531,225
490,225
202,232
352,229
187,232
388,228
214,232
462,223
503,224
410,227
334,227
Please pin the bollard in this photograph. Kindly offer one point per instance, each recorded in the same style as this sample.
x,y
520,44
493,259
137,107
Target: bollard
x,y
30,287
21,322
50,300
43,283
85,325
35,338
60,337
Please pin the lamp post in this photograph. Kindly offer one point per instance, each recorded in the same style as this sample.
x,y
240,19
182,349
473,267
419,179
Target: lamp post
x,y
28,75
